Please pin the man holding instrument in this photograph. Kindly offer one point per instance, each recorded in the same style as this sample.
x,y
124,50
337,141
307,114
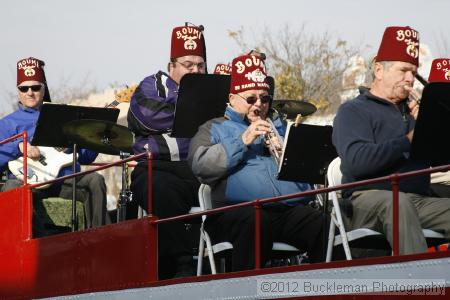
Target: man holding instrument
x,y
32,92
230,154
373,133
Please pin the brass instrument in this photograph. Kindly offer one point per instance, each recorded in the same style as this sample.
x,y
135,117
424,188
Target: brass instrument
x,y
287,109
275,148
423,81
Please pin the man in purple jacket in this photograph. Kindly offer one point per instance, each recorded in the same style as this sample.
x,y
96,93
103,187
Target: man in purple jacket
x,y
150,117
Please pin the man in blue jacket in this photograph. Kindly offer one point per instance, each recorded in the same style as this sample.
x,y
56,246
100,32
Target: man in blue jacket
x,y
230,155
373,133
151,117
32,92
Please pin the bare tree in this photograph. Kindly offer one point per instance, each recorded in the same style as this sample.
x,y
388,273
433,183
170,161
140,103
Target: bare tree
x,y
305,66
65,91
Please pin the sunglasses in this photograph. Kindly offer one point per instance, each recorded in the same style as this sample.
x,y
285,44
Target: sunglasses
x,y
34,88
252,99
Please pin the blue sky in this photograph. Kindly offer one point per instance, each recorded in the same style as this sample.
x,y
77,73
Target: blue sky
x,y
111,41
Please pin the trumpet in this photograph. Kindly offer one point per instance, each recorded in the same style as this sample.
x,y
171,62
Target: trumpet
x,y
275,147
274,141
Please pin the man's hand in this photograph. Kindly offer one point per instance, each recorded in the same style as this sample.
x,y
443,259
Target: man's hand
x,y
413,103
32,151
257,128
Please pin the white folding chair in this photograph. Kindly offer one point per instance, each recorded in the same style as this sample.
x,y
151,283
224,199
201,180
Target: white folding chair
x,y
204,195
361,237
204,198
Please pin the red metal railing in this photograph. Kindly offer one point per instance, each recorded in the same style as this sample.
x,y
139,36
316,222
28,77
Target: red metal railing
x,y
105,166
257,204
394,179
24,137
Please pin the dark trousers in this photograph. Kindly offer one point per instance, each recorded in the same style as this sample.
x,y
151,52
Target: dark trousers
x,y
175,191
90,189
300,226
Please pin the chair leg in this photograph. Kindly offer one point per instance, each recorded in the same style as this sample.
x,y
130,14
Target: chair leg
x,y
340,226
201,254
343,233
331,235
141,212
210,251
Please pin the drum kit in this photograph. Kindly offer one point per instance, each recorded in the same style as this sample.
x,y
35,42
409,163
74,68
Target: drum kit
x,y
113,139
108,138
291,108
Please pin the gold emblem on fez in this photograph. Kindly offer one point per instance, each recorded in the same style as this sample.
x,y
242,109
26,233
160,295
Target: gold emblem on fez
x,y
256,76
413,48
447,74
29,71
190,44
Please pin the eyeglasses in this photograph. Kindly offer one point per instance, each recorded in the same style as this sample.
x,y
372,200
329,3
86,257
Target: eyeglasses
x,y
190,65
34,88
252,99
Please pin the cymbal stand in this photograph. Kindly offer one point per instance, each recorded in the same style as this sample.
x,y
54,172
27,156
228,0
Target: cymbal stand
x,y
126,195
74,221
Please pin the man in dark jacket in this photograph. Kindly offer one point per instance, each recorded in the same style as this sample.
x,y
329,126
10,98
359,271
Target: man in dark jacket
x,y
373,133
151,117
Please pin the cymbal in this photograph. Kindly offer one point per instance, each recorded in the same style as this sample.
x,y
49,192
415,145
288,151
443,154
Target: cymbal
x,y
100,136
292,108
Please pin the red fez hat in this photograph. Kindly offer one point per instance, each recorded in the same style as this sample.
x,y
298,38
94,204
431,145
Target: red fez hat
x,y
440,70
32,69
188,40
248,72
222,69
399,44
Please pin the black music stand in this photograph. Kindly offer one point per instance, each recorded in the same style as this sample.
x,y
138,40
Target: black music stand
x,y
307,153
49,131
201,97
433,125
308,150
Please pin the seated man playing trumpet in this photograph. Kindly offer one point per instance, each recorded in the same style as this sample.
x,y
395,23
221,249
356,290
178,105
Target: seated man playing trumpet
x,y
230,154
372,135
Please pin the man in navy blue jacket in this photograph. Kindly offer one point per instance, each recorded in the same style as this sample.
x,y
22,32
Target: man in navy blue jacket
x,y
32,92
373,133
151,117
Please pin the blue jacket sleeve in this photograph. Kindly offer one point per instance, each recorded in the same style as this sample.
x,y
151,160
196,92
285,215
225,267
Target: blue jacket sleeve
x,y
10,150
213,157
